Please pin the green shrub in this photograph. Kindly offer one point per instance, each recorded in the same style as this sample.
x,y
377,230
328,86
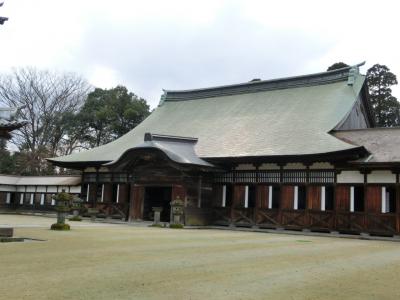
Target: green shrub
x,y
75,218
176,226
156,225
57,226
10,239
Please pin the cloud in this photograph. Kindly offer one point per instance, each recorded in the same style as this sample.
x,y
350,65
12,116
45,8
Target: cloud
x,y
151,45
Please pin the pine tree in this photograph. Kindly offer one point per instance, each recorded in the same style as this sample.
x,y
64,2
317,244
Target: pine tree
x,y
385,106
338,65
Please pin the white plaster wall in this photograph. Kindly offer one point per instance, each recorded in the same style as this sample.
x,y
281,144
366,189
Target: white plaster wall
x,y
21,188
75,189
294,166
350,177
30,188
322,165
269,167
8,188
381,176
52,189
245,167
41,189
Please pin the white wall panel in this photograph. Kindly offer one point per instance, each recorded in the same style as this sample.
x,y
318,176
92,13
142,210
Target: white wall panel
x,y
383,176
350,177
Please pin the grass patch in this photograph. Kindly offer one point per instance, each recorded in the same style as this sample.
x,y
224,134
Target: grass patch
x,y
10,239
57,226
156,225
176,226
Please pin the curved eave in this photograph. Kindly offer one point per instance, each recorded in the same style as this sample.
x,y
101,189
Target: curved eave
x,y
182,161
77,165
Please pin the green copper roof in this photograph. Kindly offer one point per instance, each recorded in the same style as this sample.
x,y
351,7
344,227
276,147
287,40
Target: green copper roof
x,y
289,116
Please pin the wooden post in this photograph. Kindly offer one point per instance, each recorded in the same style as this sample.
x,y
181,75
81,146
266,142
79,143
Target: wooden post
x,y
136,202
397,204
365,213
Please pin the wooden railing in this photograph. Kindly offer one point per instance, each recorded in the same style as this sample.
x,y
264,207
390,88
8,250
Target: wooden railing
x,y
221,215
242,216
351,222
321,220
381,223
267,218
294,219
115,210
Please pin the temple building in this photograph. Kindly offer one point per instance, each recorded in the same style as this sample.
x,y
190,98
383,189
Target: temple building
x,y
296,153
9,122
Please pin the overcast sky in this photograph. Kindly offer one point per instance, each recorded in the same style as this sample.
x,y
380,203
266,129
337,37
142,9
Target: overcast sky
x,y
153,45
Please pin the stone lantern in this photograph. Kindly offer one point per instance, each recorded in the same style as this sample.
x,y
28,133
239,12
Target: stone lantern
x,y
177,211
63,207
157,215
76,206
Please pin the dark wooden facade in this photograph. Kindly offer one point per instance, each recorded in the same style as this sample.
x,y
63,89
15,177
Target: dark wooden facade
x,y
242,198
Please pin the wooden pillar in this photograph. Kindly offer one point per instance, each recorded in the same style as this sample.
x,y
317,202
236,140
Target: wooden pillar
x,y
123,193
262,198
217,200
136,202
238,199
92,193
397,203
199,192
365,213
107,192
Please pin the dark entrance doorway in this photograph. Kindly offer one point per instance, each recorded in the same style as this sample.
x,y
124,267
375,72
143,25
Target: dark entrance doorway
x,y
157,197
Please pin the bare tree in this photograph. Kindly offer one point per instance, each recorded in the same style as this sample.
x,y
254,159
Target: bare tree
x,y
45,98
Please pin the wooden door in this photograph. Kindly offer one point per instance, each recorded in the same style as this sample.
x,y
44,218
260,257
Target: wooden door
x,y
217,195
137,197
287,196
238,196
262,197
373,199
343,198
314,197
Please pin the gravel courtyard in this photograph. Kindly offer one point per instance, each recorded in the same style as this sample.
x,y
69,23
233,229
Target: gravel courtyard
x,y
106,261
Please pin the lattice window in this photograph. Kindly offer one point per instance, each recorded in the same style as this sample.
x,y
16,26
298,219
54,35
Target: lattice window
x,y
295,176
246,177
322,176
224,177
269,176
89,177
105,177
120,177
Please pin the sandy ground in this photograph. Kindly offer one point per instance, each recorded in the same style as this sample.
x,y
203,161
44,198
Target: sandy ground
x,y
100,261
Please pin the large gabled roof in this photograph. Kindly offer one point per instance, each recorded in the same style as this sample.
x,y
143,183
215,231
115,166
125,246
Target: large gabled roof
x,y
281,117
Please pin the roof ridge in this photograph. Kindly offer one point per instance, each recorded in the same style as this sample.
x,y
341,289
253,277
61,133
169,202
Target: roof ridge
x,y
342,74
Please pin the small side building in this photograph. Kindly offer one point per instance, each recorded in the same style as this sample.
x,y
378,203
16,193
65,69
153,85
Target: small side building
x,y
35,192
